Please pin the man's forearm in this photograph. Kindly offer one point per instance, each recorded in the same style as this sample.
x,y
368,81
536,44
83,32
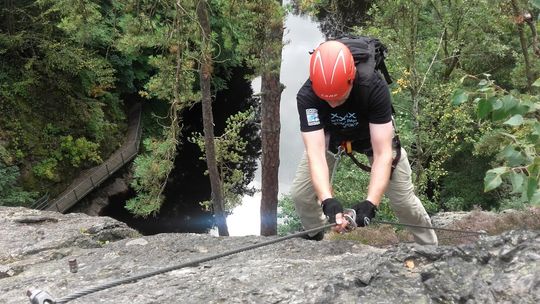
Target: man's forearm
x,y
320,177
316,152
379,178
381,142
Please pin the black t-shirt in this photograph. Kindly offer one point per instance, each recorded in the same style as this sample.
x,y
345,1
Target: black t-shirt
x,y
350,121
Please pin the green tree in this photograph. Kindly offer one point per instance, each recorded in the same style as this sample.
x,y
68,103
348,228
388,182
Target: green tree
x,y
522,17
156,27
10,193
432,44
254,31
166,26
205,79
230,147
271,88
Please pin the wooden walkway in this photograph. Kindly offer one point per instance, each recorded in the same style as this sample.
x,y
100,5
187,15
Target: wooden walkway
x,y
92,178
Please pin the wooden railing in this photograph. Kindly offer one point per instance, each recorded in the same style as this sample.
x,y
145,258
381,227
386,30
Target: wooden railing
x,y
92,178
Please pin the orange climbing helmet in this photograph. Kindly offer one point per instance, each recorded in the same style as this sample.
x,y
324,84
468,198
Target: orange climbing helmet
x,y
332,70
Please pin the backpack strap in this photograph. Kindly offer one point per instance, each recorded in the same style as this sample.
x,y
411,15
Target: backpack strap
x,y
381,66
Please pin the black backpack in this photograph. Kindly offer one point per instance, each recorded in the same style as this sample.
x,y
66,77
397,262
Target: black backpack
x,y
369,54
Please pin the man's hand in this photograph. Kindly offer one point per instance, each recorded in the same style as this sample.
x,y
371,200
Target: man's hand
x,y
333,209
364,209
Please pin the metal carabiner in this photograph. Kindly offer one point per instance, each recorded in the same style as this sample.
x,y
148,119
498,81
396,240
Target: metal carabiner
x,y
337,158
350,216
340,151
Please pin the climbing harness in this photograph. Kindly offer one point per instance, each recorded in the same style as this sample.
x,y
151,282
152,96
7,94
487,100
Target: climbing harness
x,y
37,296
346,146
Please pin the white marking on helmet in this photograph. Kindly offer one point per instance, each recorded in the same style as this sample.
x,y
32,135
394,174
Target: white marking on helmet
x,y
341,56
318,59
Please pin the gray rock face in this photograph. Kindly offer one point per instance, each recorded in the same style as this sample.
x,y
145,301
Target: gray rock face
x,y
444,219
35,248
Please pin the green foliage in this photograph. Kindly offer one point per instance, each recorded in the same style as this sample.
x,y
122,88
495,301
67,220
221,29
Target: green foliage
x,y
47,169
516,137
144,204
288,220
350,182
311,7
79,151
229,147
59,48
248,26
432,43
462,185
447,134
83,20
86,54
103,125
148,26
10,193
161,84
76,152
151,172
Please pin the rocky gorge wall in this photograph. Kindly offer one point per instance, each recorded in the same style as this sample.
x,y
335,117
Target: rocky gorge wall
x,y
35,248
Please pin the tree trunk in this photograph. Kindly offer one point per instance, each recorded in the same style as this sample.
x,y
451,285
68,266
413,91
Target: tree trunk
x,y
523,41
271,89
205,76
532,26
415,83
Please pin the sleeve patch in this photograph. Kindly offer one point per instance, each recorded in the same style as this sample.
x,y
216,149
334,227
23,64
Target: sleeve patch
x,y
312,116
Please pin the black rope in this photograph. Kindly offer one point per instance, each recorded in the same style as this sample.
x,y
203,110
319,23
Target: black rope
x,y
88,291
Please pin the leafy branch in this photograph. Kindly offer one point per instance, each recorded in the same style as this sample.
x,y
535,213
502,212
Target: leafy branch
x,y
516,118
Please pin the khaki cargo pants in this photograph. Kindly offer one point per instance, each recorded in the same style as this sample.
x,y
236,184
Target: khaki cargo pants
x,y
406,206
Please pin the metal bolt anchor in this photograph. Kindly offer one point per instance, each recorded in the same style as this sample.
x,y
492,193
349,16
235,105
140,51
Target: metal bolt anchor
x,y
73,267
39,297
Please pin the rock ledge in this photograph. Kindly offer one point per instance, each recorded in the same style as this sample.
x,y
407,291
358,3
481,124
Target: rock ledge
x,y
36,246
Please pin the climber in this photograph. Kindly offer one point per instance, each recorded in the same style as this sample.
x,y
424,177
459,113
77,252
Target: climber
x,y
347,105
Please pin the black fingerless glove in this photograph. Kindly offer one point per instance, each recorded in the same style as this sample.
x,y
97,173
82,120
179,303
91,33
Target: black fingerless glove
x,y
364,209
331,207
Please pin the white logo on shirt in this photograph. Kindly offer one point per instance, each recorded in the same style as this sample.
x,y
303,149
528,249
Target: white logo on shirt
x,y
312,116
348,120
